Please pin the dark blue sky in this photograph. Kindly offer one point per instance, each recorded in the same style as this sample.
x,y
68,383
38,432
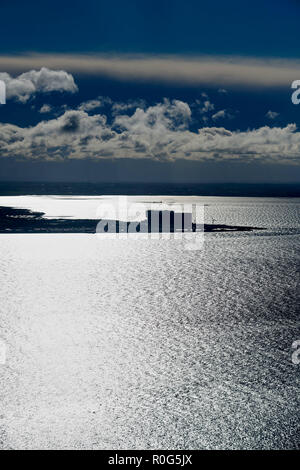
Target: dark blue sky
x,y
248,27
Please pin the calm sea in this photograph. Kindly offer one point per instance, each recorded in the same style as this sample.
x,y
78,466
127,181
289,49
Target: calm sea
x,y
128,344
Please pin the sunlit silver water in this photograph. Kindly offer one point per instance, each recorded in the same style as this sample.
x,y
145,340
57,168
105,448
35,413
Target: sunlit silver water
x,y
140,344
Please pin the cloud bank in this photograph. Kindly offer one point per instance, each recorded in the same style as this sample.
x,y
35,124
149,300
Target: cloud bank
x,y
26,85
203,70
161,132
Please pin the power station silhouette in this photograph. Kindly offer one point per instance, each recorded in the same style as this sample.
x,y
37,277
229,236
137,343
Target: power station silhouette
x,y
157,221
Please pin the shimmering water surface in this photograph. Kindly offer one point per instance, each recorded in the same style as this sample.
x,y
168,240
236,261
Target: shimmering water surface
x,y
128,344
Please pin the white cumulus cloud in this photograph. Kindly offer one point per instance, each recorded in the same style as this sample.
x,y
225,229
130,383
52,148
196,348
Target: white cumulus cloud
x,y
222,114
272,115
161,132
26,85
97,103
46,108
